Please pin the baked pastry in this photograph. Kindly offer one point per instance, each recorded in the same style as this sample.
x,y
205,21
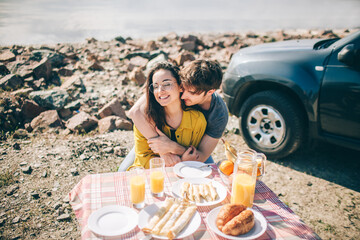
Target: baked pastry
x,y
235,219
240,224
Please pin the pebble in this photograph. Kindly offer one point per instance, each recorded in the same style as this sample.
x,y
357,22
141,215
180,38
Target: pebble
x,y
26,169
74,172
12,189
108,150
57,205
23,163
16,220
64,217
35,195
44,174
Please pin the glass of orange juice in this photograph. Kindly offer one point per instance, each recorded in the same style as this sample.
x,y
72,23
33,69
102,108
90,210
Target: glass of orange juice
x,y
137,182
244,179
157,173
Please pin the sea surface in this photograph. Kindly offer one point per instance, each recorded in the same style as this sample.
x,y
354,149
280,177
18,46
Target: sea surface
x,y
53,21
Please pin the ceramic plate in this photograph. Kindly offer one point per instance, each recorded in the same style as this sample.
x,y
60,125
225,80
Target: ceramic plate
x,y
112,221
192,169
220,189
258,229
149,211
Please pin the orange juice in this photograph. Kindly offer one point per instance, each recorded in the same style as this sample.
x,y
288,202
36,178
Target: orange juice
x,y
243,189
137,189
157,181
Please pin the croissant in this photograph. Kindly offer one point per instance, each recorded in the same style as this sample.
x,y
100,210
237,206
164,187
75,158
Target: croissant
x,y
228,212
235,219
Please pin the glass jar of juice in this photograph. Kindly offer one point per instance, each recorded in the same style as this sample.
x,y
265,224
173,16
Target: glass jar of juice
x,y
244,179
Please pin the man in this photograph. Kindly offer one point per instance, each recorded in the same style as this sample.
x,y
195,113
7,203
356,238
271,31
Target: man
x,y
200,79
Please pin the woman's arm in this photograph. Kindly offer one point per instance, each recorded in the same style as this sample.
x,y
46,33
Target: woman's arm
x,y
138,116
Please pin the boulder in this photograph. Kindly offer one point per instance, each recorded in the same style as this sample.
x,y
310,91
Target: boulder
x,y
30,109
11,82
51,99
110,123
139,61
47,119
95,66
137,76
74,86
81,122
188,46
3,70
183,57
114,107
43,69
23,92
153,62
7,56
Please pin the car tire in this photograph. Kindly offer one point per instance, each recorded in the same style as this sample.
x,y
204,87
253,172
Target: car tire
x,y
271,123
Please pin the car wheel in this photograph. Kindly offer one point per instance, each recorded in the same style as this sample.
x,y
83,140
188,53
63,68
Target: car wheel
x,y
270,122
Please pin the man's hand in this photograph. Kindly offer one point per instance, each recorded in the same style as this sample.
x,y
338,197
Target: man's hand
x,y
191,154
161,144
170,159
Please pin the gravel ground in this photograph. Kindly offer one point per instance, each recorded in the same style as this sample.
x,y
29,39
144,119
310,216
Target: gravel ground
x,y
319,185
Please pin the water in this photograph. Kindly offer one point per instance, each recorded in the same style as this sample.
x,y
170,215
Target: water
x,y
53,21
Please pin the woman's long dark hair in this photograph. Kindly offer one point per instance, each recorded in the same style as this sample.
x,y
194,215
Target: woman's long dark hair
x,y
154,110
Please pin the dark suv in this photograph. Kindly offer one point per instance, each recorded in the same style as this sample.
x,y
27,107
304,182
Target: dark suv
x,y
291,91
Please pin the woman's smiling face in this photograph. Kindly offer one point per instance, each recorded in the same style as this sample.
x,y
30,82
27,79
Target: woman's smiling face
x,y
165,88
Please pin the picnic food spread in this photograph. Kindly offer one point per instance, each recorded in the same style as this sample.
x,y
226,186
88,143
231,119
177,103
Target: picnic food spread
x,y
235,219
194,192
171,218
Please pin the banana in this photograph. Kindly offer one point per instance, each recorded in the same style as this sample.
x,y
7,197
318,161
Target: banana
x,y
230,151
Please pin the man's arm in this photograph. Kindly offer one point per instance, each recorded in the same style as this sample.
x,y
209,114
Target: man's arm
x,y
206,147
138,116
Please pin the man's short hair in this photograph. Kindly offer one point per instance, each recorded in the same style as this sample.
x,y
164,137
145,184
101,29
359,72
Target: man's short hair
x,y
203,75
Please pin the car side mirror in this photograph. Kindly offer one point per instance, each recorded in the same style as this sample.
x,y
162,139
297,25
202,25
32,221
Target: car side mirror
x,y
350,56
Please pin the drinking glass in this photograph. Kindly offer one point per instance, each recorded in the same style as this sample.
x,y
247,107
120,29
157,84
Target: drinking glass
x,y
157,170
244,179
137,182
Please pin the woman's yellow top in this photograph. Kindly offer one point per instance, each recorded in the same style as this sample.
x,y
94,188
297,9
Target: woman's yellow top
x,y
190,132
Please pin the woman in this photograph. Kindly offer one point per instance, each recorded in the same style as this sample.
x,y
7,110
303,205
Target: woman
x,y
167,112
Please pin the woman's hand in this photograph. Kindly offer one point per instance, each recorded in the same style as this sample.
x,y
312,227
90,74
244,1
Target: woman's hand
x,y
161,144
190,154
170,159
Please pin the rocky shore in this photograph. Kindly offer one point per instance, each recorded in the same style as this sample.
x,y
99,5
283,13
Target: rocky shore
x,y
63,116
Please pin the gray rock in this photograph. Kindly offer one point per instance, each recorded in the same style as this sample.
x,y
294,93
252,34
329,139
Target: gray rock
x,y
51,99
144,54
74,172
16,220
3,70
7,56
26,169
108,150
11,82
74,86
43,69
64,217
154,61
35,195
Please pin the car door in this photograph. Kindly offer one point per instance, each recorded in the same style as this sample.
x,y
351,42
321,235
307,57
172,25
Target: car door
x,y
339,101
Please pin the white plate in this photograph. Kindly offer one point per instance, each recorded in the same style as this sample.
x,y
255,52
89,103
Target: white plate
x,y
258,229
191,169
220,189
112,221
149,211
